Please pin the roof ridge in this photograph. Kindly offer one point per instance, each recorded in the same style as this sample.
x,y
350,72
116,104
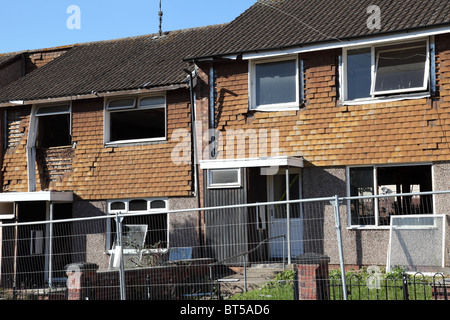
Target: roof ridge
x,y
143,36
55,48
152,35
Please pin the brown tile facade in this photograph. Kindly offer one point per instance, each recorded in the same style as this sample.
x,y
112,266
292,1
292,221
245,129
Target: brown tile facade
x,y
326,133
94,171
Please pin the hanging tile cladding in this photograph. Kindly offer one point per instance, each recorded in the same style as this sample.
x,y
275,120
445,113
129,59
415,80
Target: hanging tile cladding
x,y
100,172
325,133
14,166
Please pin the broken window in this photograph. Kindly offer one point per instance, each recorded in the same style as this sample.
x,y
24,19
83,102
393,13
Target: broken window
x,y
400,68
375,71
136,119
53,126
400,184
155,220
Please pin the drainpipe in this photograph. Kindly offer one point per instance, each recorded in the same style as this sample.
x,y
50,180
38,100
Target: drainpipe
x,y
195,155
212,111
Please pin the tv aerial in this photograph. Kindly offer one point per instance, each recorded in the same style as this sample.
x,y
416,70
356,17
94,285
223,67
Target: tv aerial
x,y
160,14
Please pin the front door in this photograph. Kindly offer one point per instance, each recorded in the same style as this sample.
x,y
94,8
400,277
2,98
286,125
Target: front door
x,y
278,216
30,258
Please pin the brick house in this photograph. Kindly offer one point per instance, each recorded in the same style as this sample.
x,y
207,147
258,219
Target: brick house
x,y
354,110
88,132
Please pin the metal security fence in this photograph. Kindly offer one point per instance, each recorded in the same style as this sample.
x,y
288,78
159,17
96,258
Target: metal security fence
x,y
248,251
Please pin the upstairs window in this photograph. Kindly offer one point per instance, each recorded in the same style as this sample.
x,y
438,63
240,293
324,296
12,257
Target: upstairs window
x,y
380,71
136,119
274,84
53,126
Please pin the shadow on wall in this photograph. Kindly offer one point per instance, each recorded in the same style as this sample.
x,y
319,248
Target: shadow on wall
x,y
89,237
183,231
319,223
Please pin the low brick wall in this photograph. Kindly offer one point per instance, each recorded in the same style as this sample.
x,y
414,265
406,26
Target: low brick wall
x,y
170,281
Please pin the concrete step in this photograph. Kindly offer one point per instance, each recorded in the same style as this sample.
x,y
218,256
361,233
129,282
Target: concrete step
x,y
256,276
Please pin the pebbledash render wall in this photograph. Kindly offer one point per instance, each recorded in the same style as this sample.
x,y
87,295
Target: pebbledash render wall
x,y
331,136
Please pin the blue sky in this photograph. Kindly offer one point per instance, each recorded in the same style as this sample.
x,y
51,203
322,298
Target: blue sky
x,y
36,24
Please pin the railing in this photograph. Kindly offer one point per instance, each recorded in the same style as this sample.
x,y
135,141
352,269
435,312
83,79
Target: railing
x,y
402,286
244,256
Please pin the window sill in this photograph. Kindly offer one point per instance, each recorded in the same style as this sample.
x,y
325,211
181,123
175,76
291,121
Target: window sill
x,y
56,148
225,186
137,142
143,251
275,109
386,99
368,227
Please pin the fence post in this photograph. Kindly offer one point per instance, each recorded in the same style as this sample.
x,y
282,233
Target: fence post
x,y
337,219
245,271
121,267
405,287
147,287
288,216
296,295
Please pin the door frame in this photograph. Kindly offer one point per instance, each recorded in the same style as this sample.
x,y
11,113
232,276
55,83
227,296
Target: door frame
x,y
293,247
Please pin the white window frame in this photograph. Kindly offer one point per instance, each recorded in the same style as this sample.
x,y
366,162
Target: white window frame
x,y
127,210
236,184
276,106
375,186
426,71
136,106
378,96
36,115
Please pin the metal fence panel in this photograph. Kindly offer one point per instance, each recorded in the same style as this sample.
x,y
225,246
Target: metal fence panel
x,y
238,252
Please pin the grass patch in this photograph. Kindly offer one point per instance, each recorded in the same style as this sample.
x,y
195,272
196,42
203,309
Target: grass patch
x,y
280,288
361,285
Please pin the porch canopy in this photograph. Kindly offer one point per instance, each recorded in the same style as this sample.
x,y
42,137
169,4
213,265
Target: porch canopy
x,y
8,199
263,162
269,166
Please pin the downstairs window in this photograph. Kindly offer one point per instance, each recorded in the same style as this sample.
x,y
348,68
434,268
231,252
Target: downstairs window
x,y
392,181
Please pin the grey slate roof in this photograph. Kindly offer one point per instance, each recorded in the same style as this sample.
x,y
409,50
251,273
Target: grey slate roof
x,y
7,57
115,65
278,24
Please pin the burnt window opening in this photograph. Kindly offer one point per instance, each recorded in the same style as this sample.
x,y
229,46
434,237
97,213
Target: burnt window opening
x,y
53,131
137,119
394,182
53,126
156,235
141,124
154,221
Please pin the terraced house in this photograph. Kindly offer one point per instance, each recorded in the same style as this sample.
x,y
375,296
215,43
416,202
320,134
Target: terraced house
x,y
87,132
358,97
293,99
